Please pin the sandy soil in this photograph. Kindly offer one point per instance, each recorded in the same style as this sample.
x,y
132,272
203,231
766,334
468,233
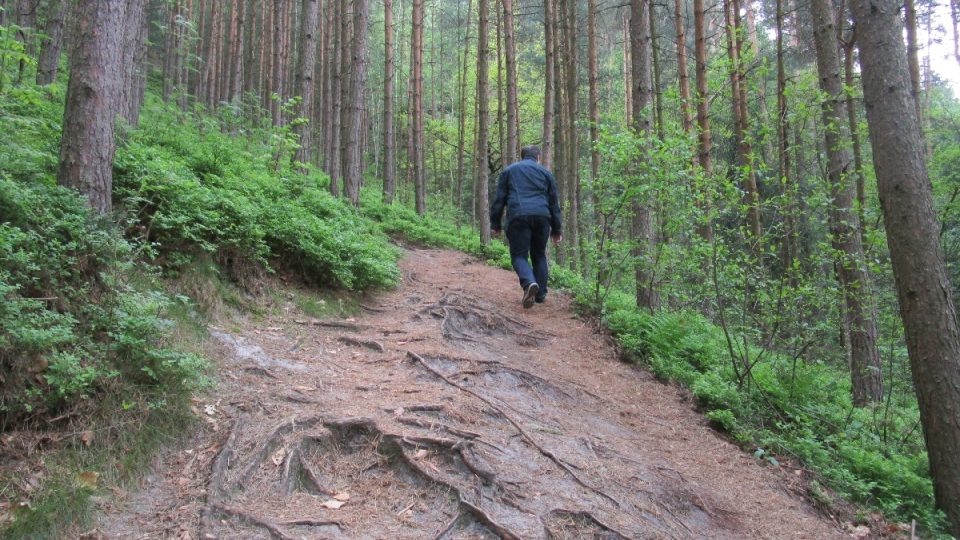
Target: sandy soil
x,y
447,411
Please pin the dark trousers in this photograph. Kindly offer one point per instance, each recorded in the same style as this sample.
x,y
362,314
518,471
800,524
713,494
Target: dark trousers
x,y
528,237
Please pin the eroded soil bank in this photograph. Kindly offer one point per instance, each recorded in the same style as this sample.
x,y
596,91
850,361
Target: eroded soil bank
x,y
447,411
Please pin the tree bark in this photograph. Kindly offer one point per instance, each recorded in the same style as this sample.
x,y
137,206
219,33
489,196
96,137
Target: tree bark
x,y
87,146
789,251
389,134
462,128
865,369
747,173
679,17
513,108
704,136
923,286
279,75
416,113
594,90
52,43
913,53
549,80
358,75
483,117
642,224
309,24
854,127
346,74
134,50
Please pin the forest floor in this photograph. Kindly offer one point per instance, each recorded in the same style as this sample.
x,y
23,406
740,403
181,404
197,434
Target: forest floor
x,y
447,411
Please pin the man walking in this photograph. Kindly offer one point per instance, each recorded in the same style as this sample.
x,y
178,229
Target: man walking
x,y
529,193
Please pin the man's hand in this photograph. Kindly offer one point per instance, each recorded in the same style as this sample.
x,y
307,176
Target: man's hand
x,y
556,238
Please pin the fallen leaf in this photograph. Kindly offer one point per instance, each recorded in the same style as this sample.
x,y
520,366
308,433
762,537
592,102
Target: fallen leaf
x,y
88,479
420,454
86,438
343,497
277,457
210,410
333,504
398,411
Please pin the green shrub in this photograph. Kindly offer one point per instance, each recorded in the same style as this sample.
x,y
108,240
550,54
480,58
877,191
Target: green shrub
x,y
191,191
69,322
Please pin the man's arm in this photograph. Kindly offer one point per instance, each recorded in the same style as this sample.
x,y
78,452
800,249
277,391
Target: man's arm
x,y
499,202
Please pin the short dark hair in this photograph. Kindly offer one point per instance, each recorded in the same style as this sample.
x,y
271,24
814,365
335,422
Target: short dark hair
x,y
532,151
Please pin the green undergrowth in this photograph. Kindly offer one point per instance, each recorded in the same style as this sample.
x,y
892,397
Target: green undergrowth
x,y
192,190
873,456
436,229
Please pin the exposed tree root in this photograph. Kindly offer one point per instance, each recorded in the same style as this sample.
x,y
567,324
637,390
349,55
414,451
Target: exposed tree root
x,y
483,517
271,443
366,343
609,533
543,451
313,523
353,327
270,526
222,461
263,372
450,527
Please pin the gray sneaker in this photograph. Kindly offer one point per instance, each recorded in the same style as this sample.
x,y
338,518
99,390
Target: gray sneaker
x,y
529,295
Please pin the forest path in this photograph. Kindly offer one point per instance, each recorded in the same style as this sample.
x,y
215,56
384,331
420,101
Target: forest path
x,y
449,412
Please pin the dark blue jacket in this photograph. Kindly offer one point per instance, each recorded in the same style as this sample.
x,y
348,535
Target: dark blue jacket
x,y
526,188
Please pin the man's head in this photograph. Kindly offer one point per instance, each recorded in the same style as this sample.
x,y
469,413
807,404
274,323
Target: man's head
x,y
530,152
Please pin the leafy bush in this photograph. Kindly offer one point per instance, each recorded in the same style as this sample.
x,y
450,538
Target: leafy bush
x,y
191,190
69,322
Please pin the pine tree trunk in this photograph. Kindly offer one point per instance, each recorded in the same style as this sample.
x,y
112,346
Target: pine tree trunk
x,y
358,74
854,127
52,43
416,113
789,252
462,128
627,71
642,224
549,79
704,136
923,286
594,91
865,369
337,107
278,76
237,54
655,57
309,24
747,172
389,134
26,31
513,108
133,49
913,52
93,101
346,54
483,116
679,17
571,147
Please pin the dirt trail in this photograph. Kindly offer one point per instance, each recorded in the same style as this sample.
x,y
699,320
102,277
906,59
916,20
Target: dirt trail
x,y
449,412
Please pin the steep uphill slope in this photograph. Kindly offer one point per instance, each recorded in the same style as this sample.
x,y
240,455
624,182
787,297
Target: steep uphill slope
x,y
447,411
